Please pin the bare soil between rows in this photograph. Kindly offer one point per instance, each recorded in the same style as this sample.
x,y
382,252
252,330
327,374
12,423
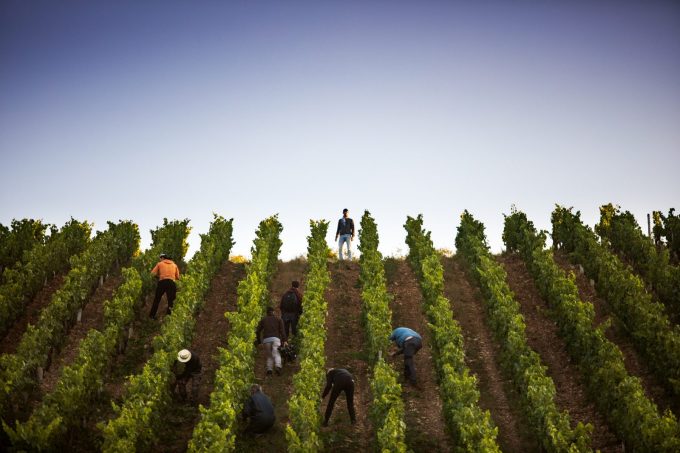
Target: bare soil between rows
x,y
482,356
425,426
345,349
278,388
616,333
8,344
543,337
92,318
210,333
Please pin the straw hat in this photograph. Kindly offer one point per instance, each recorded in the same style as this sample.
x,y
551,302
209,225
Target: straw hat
x,y
184,355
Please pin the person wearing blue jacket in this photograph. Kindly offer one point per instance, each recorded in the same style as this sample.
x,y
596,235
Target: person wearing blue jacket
x,y
409,342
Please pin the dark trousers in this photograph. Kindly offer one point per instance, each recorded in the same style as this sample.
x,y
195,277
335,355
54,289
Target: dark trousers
x,y
259,424
168,288
411,346
342,384
290,321
181,386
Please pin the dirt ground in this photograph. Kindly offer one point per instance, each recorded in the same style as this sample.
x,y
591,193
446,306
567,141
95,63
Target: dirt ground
x,y
482,356
278,388
344,349
425,425
92,318
543,337
426,429
139,349
634,362
9,343
210,333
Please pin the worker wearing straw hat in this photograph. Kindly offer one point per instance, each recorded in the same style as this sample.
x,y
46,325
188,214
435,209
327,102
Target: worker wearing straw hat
x,y
187,367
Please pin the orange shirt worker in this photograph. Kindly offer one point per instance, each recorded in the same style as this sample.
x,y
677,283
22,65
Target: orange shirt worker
x,y
167,272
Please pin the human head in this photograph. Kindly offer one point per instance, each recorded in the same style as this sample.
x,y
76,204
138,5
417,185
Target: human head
x,y
255,388
345,212
296,284
184,355
270,310
329,370
164,256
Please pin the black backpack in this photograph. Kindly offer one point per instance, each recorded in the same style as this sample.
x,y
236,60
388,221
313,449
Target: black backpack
x,y
289,303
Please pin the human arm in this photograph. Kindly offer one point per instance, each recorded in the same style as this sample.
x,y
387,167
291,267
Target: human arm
x,y
154,271
337,232
299,297
282,332
248,408
329,385
351,223
260,326
176,272
393,338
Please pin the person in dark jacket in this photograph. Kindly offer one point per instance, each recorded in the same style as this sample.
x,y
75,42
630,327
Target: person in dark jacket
x,y
339,380
409,342
345,232
273,334
259,411
291,308
187,368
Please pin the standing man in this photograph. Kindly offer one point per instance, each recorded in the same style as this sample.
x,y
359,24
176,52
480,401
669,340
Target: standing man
x,y
346,233
409,342
259,411
167,272
273,334
187,367
340,380
291,308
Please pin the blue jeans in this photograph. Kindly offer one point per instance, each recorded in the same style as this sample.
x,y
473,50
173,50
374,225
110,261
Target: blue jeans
x,y
345,238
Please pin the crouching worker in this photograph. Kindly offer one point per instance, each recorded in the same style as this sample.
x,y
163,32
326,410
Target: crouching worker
x,y
187,368
339,380
408,342
259,411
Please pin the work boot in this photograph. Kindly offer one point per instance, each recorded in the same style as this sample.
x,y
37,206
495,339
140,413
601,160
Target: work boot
x,y
269,372
278,371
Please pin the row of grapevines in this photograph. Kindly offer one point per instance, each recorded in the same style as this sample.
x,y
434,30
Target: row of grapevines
x,y
536,388
148,393
23,281
216,430
624,235
302,433
472,427
618,395
23,235
81,381
668,227
18,373
644,319
388,407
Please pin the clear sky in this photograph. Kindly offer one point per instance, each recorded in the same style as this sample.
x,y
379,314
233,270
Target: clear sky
x,y
145,110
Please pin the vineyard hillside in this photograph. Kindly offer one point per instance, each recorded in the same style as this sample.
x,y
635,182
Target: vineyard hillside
x,y
523,351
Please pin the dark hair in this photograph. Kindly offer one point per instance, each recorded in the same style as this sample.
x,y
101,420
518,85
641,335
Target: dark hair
x,y
270,310
296,284
345,210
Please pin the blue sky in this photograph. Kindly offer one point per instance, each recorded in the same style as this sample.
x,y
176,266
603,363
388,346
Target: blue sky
x,y
145,110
